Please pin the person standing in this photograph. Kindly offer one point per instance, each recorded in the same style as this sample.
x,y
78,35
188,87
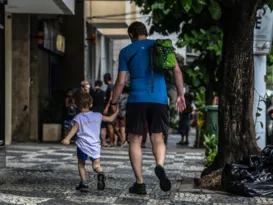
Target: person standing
x,y
98,96
145,103
108,110
85,86
70,111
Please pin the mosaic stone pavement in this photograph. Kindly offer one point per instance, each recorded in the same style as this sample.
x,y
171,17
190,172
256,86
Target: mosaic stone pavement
x,y
47,174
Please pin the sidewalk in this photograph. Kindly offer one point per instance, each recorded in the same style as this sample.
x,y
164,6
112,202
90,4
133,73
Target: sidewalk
x,y
47,174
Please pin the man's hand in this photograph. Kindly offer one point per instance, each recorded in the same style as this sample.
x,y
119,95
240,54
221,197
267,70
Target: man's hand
x,y
66,141
105,112
180,103
114,107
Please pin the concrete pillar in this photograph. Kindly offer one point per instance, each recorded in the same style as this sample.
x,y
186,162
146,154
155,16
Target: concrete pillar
x,y
2,84
8,78
20,76
35,67
103,64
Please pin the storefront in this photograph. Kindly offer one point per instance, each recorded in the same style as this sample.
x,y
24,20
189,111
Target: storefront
x,y
2,84
20,62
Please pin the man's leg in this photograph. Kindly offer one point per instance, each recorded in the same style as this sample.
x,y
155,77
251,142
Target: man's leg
x,y
157,122
135,119
103,132
111,135
159,148
135,154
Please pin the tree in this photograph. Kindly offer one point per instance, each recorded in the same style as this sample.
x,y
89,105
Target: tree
x,y
236,19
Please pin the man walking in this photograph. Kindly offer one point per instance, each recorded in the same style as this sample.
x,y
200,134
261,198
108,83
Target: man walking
x,y
108,110
144,104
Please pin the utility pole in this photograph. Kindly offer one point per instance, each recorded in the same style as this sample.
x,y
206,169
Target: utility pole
x,y
2,84
261,48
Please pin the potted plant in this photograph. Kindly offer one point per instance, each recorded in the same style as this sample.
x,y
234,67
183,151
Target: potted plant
x,y
52,117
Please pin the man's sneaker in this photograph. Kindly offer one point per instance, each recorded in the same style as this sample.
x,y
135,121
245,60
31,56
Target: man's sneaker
x,y
82,187
165,183
101,181
138,189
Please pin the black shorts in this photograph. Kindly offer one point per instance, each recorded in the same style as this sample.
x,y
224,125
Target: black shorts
x,y
156,115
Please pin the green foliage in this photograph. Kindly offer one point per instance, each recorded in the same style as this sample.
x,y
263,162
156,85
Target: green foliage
x,y
201,31
200,100
211,147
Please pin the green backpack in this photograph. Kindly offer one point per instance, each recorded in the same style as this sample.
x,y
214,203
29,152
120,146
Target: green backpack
x,y
163,57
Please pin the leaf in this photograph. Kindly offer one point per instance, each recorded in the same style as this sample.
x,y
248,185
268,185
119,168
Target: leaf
x,y
260,109
187,4
258,114
197,6
203,2
215,10
262,125
157,16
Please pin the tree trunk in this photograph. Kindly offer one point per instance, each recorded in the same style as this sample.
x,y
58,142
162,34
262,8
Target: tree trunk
x,y
209,95
236,124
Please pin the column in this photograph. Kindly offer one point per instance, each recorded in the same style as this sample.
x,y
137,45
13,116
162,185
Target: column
x,y
103,63
8,79
2,86
2,73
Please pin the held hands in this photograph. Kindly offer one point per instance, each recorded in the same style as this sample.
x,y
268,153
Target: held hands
x,y
66,141
180,103
105,112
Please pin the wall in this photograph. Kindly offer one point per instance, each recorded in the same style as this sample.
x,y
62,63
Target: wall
x,y
20,76
8,79
73,61
117,46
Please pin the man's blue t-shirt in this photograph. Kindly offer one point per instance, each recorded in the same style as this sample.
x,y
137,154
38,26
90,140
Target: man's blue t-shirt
x,y
140,73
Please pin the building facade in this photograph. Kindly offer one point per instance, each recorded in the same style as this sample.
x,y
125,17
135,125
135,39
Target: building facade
x,y
38,40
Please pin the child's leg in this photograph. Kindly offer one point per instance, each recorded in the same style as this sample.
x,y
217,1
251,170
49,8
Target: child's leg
x,y
82,170
96,165
101,177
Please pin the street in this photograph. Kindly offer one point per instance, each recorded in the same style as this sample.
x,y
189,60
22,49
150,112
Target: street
x,y
47,174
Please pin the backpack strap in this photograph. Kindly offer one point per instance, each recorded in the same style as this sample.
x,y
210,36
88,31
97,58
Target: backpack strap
x,y
130,59
152,69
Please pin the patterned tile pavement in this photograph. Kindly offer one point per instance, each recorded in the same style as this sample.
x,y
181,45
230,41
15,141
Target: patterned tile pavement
x,y
47,174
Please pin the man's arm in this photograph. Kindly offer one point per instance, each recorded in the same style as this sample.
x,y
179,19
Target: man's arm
x,y
178,80
120,83
109,101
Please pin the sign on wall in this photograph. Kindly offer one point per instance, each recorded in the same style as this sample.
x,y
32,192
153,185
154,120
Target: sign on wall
x,y
263,31
52,39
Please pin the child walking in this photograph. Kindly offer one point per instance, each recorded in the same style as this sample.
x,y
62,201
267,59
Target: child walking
x,y
87,125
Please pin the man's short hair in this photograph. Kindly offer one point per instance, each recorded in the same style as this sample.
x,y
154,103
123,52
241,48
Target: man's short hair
x,y
107,77
85,82
98,83
136,29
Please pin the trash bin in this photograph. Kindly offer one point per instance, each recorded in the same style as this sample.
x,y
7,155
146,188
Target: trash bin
x,y
211,120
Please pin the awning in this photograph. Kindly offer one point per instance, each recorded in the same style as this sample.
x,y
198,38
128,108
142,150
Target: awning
x,y
41,6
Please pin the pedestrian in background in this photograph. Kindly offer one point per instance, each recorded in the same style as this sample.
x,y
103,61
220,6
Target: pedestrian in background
x,y
107,108
98,96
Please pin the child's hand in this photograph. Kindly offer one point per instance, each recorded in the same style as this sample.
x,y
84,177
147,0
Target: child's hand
x,y
117,109
66,141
